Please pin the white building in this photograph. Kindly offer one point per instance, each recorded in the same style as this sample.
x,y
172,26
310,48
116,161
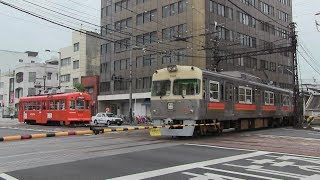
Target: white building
x,y
34,78
80,59
9,59
6,94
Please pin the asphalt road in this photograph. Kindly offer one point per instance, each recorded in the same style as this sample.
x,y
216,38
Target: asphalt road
x,y
181,162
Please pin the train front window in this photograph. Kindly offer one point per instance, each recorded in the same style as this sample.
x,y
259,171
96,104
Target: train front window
x,y
161,88
186,87
80,104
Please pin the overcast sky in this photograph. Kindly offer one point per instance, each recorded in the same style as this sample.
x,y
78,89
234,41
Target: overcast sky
x,y
20,32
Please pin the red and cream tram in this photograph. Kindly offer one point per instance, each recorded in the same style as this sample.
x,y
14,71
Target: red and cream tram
x,y
64,109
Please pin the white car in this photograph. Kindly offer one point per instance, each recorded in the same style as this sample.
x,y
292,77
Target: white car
x,y
106,118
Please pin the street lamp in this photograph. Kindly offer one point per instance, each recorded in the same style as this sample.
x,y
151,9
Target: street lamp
x,y
59,65
130,77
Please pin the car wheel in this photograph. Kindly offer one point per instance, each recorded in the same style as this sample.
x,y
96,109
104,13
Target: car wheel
x,y
95,122
108,123
119,123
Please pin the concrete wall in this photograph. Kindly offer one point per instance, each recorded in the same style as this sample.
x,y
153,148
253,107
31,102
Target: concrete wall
x,y
88,56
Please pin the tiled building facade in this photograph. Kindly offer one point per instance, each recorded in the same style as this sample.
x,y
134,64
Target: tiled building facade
x,y
188,32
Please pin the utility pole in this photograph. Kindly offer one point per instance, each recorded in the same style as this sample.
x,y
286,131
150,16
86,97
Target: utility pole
x,y
215,49
130,79
296,93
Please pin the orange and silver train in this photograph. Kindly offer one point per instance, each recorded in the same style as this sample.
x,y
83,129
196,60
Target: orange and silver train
x,y
64,109
189,95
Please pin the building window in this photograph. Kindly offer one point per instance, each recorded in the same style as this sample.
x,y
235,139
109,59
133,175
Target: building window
x,y
174,32
264,65
283,16
75,81
266,8
174,8
65,78
122,45
105,86
247,40
19,77
247,19
123,24
19,93
76,47
146,82
49,74
105,67
76,64
65,62
32,76
146,17
249,2
31,91
121,5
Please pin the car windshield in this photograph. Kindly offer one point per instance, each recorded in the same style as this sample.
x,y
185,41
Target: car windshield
x,y
110,115
186,87
161,88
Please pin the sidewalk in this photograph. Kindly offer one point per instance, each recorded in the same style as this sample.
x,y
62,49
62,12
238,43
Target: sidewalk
x,y
316,128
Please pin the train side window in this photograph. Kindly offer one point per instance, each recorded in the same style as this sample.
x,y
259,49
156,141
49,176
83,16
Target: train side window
x,y
245,95
53,105
44,105
62,105
214,91
268,98
285,100
72,104
229,91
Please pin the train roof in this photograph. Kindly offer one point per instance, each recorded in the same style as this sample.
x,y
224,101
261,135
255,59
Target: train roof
x,y
40,97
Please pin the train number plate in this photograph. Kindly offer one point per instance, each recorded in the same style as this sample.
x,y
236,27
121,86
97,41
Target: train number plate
x,y
155,132
170,105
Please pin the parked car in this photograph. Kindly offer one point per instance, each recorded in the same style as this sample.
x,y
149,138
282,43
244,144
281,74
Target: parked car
x,y
107,119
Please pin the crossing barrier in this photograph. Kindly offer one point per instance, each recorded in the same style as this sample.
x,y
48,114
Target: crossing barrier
x,y
96,130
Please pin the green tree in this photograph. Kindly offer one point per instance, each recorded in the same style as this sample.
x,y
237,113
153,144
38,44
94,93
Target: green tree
x,y
79,87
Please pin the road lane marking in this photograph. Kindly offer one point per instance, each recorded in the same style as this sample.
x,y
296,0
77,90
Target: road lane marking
x,y
220,147
252,150
268,171
160,172
7,177
208,176
238,173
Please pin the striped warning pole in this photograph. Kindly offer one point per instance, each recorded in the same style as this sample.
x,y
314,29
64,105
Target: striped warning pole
x,y
96,130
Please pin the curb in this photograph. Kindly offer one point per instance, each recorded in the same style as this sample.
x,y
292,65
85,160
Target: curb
x,y
94,130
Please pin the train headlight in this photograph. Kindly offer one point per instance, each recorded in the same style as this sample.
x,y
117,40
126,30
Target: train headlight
x,y
172,68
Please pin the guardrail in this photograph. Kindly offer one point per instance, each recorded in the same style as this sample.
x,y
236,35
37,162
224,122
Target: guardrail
x,y
96,130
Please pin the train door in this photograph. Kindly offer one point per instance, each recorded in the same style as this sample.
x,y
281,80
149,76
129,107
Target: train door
x,y
43,111
204,101
229,99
